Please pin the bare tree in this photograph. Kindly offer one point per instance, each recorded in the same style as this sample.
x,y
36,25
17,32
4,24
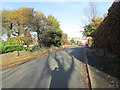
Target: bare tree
x,y
91,12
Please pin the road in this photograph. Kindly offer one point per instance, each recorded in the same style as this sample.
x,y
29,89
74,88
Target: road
x,y
62,69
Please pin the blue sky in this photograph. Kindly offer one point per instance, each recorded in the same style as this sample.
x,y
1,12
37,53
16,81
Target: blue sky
x,y
70,14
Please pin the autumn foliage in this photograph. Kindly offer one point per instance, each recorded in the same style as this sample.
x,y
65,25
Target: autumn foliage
x,y
65,38
108,33
26,25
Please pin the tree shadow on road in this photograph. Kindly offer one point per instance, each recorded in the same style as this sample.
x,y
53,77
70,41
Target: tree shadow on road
x,y
59,76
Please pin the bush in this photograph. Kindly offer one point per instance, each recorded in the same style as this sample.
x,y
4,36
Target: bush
x,y
52,46
108,32
11,48
34,48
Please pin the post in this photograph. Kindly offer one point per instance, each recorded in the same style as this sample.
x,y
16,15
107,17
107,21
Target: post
x,y
18,50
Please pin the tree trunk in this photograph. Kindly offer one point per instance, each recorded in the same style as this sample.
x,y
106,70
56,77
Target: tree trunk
x,y
104,53
8,35
38,33
11,26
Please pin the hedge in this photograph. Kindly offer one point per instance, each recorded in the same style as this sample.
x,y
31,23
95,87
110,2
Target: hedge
x,y
108,32
11,48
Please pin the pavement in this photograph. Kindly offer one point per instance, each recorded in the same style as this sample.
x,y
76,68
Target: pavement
x,y
101,76
62,69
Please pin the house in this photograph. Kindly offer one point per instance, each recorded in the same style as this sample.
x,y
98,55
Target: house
x,y
82,39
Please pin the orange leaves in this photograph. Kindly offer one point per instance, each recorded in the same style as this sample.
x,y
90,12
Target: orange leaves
x,y
24,15
64,38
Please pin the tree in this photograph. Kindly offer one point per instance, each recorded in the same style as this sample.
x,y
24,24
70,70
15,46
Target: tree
x,y
91,12
17,22
39,26
8,22
54,32
64,38
23,21
72,41
90,29
92,20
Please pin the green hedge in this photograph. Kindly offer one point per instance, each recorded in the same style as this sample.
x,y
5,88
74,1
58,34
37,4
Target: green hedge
x,y
11,48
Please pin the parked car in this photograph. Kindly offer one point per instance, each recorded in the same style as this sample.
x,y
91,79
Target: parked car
x,y
81,44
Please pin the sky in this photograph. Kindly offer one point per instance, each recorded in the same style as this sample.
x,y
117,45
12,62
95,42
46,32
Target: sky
x,y
70,14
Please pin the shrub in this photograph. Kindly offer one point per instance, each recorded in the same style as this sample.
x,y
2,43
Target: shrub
x,y
52,46
108,33
34,48
11,48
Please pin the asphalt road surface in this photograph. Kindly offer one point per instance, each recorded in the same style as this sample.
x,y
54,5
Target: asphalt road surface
x,y
62,69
